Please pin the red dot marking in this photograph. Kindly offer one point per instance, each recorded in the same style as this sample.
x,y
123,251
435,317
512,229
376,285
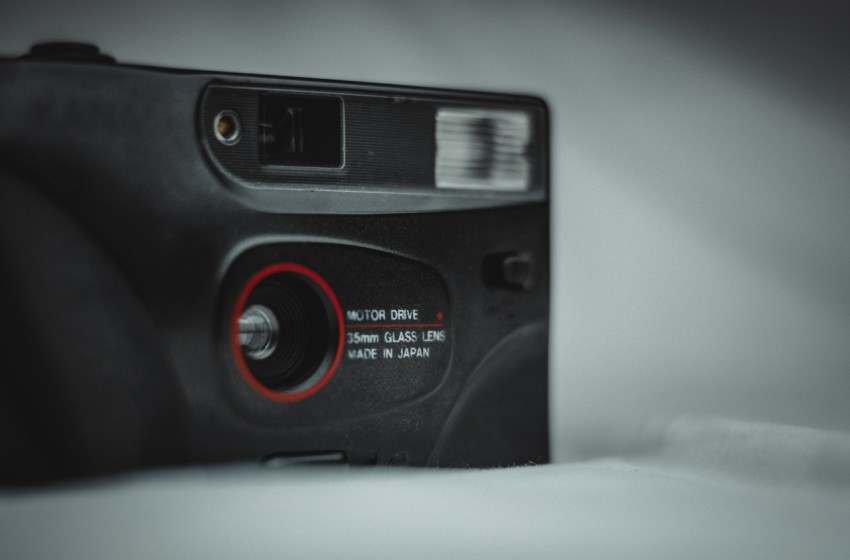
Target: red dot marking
x,y
440,315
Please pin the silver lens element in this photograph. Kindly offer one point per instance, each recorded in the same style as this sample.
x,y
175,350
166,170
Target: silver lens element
x,y
483,149
258,332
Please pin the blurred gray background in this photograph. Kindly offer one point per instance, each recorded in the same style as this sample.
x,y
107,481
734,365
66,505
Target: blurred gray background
x,y
701,178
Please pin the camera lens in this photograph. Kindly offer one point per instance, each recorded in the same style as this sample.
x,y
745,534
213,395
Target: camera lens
x,y
258,332
287,332
227,128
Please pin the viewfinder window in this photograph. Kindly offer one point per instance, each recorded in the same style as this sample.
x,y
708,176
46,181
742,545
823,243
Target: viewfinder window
x,y
300,130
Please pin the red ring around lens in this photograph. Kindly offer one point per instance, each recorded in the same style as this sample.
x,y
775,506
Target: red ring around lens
x,y
236,347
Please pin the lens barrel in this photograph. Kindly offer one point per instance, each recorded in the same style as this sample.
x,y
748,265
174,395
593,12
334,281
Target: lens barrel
x,y
287,331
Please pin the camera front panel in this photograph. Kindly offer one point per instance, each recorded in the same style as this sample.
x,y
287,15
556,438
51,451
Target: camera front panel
x,y
255,268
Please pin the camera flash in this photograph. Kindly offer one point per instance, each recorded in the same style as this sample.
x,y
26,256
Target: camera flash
x,y
483,149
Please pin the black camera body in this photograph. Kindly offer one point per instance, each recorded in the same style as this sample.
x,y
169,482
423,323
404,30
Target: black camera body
x,y
203,268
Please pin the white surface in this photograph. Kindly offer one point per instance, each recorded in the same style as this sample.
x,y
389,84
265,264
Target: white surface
x,y
702,489
591,510
701,312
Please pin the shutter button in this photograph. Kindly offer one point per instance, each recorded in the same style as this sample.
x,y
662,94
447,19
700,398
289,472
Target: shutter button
x,y
78,52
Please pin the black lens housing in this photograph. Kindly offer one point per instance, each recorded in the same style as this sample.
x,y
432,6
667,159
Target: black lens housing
x,y
307,344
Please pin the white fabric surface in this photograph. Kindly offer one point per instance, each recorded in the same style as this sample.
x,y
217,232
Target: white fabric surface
x,y
711,490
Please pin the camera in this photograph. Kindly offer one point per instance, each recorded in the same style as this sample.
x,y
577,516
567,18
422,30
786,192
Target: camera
x,y
204,268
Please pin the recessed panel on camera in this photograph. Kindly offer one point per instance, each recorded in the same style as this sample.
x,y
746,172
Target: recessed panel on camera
x,y
401,149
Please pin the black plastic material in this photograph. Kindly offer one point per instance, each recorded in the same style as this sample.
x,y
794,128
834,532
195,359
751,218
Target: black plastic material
x,y
77,52
510,270
500,405
87,386
125,246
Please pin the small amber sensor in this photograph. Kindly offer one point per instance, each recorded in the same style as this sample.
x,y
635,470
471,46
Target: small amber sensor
x,y
227,128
